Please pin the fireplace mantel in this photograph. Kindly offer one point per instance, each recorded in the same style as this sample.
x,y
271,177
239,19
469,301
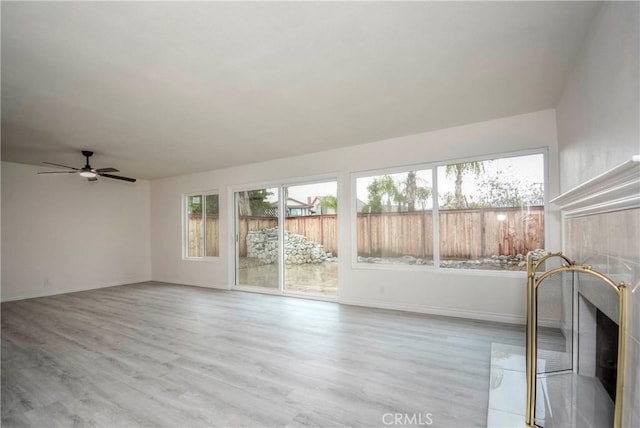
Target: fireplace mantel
x,y
614,190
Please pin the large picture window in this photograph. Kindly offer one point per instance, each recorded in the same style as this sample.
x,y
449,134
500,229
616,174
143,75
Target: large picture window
x,y
486,214
201,229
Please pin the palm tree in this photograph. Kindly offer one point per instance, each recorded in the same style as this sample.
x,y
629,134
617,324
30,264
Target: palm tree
x,y
381,190
411,188
329,202
458,170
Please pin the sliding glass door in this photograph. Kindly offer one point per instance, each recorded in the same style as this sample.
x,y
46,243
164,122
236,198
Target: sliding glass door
x,y
257,238
286,239
311,239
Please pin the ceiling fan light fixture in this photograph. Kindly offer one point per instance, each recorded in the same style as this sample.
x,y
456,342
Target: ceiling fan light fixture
x,y
87,171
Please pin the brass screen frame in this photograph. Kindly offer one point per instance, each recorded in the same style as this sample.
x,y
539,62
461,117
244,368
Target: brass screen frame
x,y
533,281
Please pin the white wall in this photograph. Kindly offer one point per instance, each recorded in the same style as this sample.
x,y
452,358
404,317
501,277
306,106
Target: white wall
x,y
61,233
496,296
599,110
598,119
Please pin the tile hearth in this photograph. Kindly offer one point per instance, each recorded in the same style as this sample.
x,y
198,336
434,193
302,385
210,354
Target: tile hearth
x,y
563,400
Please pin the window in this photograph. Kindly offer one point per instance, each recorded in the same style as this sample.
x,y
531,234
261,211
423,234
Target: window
x,y
202,230
486,214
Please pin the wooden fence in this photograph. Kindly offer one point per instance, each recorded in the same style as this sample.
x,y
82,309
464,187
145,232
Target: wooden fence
x,y
195,236
464,234
322,229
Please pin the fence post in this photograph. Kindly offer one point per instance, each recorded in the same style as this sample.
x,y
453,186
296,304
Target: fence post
x,y
483,234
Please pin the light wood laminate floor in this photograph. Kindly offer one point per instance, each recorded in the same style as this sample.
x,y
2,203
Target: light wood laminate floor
x,y
164,355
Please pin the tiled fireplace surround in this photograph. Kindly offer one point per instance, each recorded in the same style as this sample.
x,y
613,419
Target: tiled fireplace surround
x,y
603,230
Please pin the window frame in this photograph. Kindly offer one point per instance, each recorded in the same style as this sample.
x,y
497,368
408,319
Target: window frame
x,y
433,166
185,226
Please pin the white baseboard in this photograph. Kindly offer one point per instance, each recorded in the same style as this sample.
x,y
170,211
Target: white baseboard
x,y
432,310
32,294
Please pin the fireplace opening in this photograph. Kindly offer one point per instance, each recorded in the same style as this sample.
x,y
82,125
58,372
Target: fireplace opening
x,y
606,352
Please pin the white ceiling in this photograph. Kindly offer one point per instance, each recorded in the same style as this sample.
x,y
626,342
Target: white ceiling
x,y
164,88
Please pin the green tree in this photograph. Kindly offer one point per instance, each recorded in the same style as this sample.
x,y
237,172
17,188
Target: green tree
x,y
496,191
410,193
329,202
211,204
254,202
195,204
411,189
423,195
459,170
382,191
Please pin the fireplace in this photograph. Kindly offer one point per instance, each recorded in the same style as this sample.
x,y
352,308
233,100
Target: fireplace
x,y
600,221
595,380
606,352
598,333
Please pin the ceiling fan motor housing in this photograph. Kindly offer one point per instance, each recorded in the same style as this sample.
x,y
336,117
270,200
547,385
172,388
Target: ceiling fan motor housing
x,y
87,154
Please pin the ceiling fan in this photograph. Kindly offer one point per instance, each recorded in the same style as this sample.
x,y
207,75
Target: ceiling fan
x,y
87,171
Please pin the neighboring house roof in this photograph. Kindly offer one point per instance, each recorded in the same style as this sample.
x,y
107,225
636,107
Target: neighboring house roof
x,y
294,203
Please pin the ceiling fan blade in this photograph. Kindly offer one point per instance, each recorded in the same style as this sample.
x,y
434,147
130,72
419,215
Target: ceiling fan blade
x,y
101,170
92,179
58,172
117,177
63,166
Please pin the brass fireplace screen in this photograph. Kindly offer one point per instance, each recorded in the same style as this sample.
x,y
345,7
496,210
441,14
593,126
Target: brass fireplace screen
x,y
534,279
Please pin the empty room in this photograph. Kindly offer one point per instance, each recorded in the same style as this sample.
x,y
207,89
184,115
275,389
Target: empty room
x,y
320,214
